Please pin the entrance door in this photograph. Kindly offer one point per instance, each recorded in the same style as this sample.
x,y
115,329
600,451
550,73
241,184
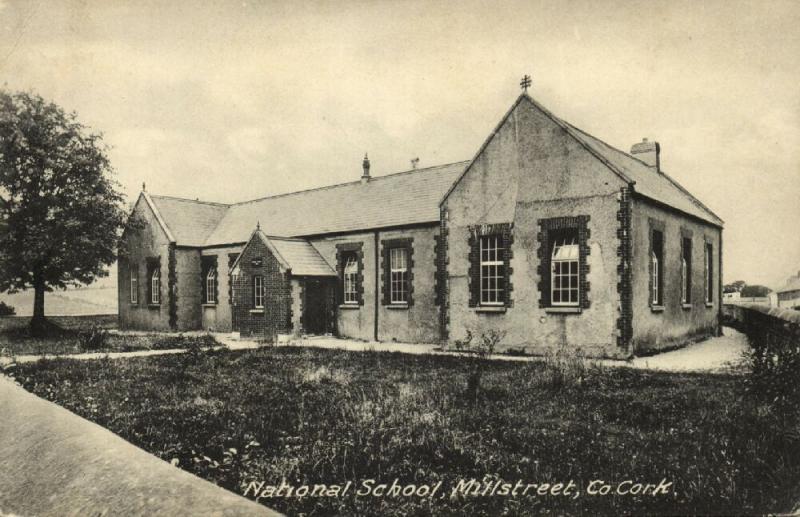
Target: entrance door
x,y
318,306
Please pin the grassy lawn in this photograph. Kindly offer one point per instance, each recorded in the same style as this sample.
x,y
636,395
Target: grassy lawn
x,y
322,416
74,334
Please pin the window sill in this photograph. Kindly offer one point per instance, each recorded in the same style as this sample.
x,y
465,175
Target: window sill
x,y
709,305
563,310
208,304
397,306
656,308
491,309
256,311
349,306
686,306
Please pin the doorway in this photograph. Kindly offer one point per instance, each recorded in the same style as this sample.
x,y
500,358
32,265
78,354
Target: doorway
x,y
319,313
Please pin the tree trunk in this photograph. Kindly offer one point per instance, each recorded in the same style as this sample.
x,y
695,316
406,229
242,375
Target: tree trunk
x,y
38,322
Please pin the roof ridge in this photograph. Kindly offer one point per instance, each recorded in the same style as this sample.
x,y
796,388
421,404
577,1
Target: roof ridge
x,y
336,185
190,200
669,178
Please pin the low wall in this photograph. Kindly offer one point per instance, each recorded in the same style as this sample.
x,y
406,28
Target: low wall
x,y
779,319
55,463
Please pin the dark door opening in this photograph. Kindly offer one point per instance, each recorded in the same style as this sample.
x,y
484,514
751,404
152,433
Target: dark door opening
x,y
318,306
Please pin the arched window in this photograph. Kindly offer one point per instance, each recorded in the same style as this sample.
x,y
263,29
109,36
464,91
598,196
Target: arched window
x,y
350,279
655,271
684,281
134,287
211,286
155,286
564,288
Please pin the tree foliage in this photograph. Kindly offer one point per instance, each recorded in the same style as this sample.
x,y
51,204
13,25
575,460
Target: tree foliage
x,y
60,211
755,291
734,287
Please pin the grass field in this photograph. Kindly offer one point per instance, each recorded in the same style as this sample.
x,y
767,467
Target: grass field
x,y
75,334
328,417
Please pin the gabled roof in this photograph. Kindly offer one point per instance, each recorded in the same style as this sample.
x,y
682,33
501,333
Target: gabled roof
x,y
791,284
649,183
404,198
188,222
297,255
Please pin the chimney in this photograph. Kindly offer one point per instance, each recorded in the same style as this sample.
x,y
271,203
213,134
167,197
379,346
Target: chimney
x,y
649,153
365,164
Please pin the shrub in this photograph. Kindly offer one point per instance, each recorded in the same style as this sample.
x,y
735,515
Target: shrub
x,y
7,310
93,339
564,368
481,351
774,357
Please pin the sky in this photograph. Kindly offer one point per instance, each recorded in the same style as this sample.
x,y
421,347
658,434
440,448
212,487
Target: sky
x,y
229,101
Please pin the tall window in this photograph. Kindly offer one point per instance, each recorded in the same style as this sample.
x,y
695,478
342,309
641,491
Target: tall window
x,y
350,279
258,292
709,267
134,287
155,286
398,290
657,269
686,271
565,258
211,286
493,270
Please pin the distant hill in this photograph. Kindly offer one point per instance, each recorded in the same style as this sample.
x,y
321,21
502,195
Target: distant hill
x,y
97,298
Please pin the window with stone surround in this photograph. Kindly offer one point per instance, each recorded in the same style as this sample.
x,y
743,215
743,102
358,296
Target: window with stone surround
x,y
350,279
709,272
656,264
209,280
490,265
563,265
397,264
258,292
686,270
565,259
155,286
350,269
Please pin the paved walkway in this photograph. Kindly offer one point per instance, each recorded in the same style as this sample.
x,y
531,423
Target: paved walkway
x,y
55,463
717,354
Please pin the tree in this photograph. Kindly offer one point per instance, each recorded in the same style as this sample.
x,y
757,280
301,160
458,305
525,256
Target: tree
x,y
61,214
755,291
735,287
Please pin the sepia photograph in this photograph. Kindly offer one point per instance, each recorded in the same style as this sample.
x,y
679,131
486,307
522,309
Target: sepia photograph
x,y
399,258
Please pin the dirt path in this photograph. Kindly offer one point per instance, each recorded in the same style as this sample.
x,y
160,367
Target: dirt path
x,y
719,354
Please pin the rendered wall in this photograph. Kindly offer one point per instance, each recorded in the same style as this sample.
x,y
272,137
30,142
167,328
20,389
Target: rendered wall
x,y
217,317
147,242
530,170
674,325
417,323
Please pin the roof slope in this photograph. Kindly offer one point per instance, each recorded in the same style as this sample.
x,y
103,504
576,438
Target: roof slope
x,y
303,258
403,198
297,255
649,183
792,284
189,221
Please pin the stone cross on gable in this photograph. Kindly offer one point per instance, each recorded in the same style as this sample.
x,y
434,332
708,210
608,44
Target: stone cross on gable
x,y
525,83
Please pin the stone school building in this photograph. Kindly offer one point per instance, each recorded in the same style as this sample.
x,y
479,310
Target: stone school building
x,y
548,235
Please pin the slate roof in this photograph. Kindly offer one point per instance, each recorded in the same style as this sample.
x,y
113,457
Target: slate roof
x,y
648,182
296,254
189,221
403,198
302,257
